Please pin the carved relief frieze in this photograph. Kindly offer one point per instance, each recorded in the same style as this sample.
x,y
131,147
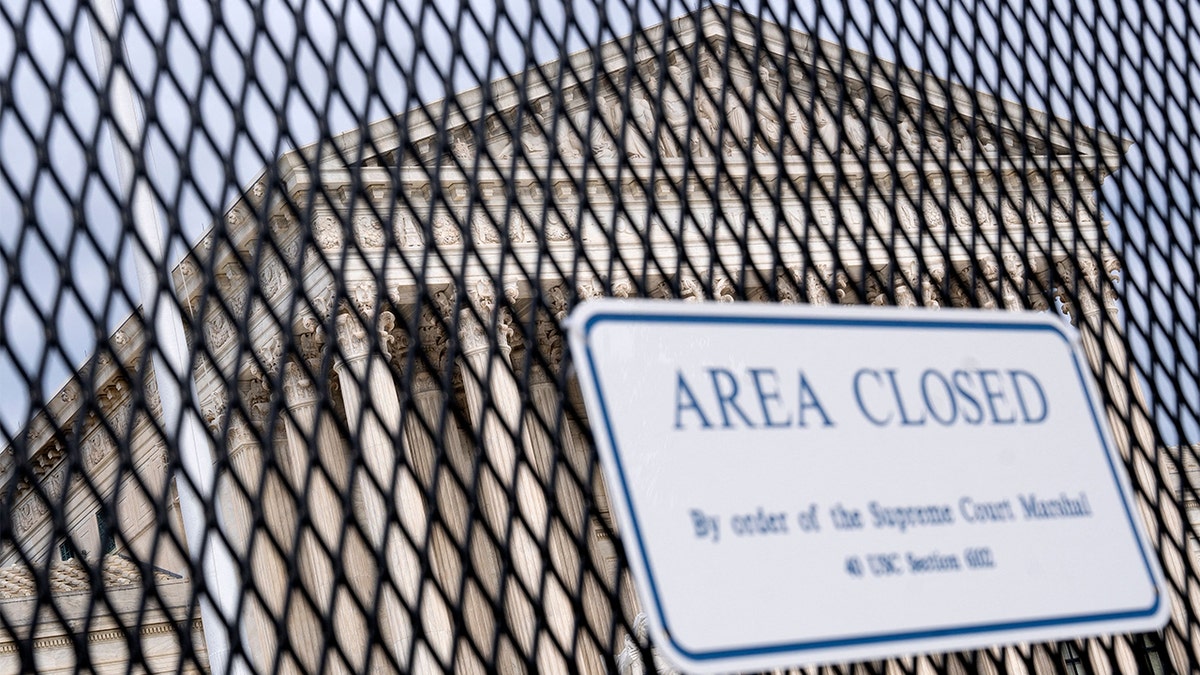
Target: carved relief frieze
x,y
407,234
518,230
392,342
327,232
960,216
549,332
499,141
816,284
570,144
905,281
362,297
283,228
588,287
959,295
368,231
97,447
640,133
212,410
29,513
446,230
557,227
1090,283
533,142
1012,282
483,230
933,214
462,146
273,277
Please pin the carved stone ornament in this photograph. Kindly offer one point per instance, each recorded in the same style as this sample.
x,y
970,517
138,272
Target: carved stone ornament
x,y
589,288
445,230
483,231
269,353
368,231
388,341
407,232
298,387
570,145
933,285
97,446
212,409
274,277
642,129
432,338
218,329
1093,290
690,289
362,297
352,337
550,344
327,232
150,391
724,290
30,512
556,296
518,232
905,281
622,288
556,229
471,334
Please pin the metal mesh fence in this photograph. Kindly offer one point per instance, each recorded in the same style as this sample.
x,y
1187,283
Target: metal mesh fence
x,y
303,265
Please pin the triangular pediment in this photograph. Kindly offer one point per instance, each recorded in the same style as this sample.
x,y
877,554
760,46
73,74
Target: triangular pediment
x,y
715,83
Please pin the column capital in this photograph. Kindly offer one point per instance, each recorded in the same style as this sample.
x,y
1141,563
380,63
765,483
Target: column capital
x,y
269,354
299,389
1091,283
556,298
352,337
472,331
588,289
213,408
816,279
310,341
432,338
932,291
550,345
548,331
906,281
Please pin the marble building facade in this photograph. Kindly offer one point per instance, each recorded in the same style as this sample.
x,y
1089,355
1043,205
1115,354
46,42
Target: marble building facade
x,y
360,358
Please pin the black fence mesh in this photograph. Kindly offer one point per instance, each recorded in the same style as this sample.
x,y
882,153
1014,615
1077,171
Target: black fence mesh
x,y
303,266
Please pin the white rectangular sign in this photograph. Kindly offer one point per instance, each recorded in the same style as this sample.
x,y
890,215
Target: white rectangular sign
x,y
804,485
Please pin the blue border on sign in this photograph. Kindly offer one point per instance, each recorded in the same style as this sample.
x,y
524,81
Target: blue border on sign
x,y
863,322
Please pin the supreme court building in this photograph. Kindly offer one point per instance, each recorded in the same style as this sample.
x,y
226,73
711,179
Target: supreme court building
x,y
372,333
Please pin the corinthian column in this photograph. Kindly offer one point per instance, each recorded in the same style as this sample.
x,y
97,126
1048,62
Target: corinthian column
x,y
416,456
494,403
435,450
373,416
263,591
318,474
561,464
277,503
1089,298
